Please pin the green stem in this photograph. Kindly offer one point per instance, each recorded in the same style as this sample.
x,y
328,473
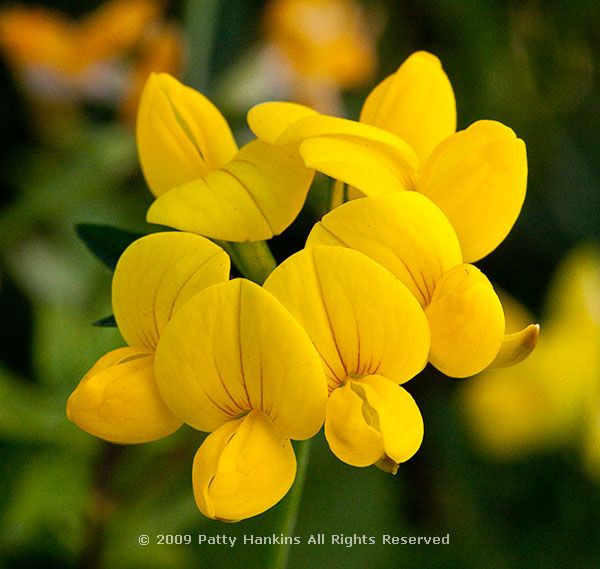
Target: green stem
x,y
290,508
200,22
253,259
338,194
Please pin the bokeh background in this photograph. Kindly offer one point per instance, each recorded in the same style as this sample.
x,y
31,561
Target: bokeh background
x,y
67,113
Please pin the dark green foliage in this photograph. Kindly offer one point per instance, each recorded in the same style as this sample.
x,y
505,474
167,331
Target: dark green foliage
x,y
107,243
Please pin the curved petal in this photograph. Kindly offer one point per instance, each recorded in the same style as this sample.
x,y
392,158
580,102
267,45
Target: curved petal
x,y
254,197
517,346
181,135
416,103
242,469
371,167
404,232
341,148
350,436
466,321
400,421
117,400
268,121
233,348
361,319
478,178
156,275
373,419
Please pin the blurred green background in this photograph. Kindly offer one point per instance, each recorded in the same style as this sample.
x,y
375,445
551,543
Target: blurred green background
x,y
69,500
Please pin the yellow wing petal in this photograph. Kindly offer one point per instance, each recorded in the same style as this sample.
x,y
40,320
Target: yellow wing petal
x,y
181,135
404,232
254,197
233,348
268,121
369,166
118,400
416,103
373,160
466,321
478,178
156,275
242,469
361,319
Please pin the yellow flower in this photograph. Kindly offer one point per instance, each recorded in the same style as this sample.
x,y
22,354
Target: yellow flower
x,y
406,141
553,398
372,336
118,399
235,363
410,236
202,183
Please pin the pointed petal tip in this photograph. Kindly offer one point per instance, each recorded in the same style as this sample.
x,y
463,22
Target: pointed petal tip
x,y
517,347
387,464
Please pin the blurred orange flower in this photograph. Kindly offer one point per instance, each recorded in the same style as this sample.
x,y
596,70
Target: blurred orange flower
x,y
103,57
325,45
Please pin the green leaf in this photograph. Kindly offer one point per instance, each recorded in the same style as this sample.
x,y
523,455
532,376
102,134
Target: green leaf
x,y
107,243
106,322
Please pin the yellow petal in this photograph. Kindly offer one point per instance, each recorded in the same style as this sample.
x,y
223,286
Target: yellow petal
x,y
156,275
478,178
371,167
373,419
269,121
233,348
466,321
400,421
349,435
517,346
361,319
416,103
118,400
404,232
340,148
254,197
181,135
242,469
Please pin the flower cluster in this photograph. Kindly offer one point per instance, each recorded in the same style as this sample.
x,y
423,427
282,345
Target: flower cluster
x,y
384,285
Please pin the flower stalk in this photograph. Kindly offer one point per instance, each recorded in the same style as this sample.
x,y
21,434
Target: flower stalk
x,y
290,507
253,259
